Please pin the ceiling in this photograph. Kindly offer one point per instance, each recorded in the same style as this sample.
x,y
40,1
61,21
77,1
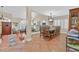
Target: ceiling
x,y
20,11
55,10
16,11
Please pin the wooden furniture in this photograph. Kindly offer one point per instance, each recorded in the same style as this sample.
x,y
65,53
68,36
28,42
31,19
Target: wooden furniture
x,y
71,40
46,33
42,28
74,18
51,31
6,28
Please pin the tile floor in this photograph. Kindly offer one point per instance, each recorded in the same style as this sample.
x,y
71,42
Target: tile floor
x,y
38,44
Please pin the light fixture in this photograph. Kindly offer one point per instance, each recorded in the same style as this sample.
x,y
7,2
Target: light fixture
x,y
50,17
44,21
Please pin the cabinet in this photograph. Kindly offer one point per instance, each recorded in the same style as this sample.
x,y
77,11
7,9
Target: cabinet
x,y
73,35
74,18
6,28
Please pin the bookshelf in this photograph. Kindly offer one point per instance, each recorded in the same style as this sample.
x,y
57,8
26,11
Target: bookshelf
x,y
74,18
73,38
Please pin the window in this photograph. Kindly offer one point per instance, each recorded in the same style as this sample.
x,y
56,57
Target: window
x,y
63,23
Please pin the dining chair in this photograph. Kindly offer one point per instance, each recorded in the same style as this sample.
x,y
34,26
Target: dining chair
x,y
46,34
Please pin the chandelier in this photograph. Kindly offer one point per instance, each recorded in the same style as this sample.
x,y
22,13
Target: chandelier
x,y
50,17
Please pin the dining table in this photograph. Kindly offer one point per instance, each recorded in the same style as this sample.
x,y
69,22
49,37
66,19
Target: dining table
x,y
51,30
